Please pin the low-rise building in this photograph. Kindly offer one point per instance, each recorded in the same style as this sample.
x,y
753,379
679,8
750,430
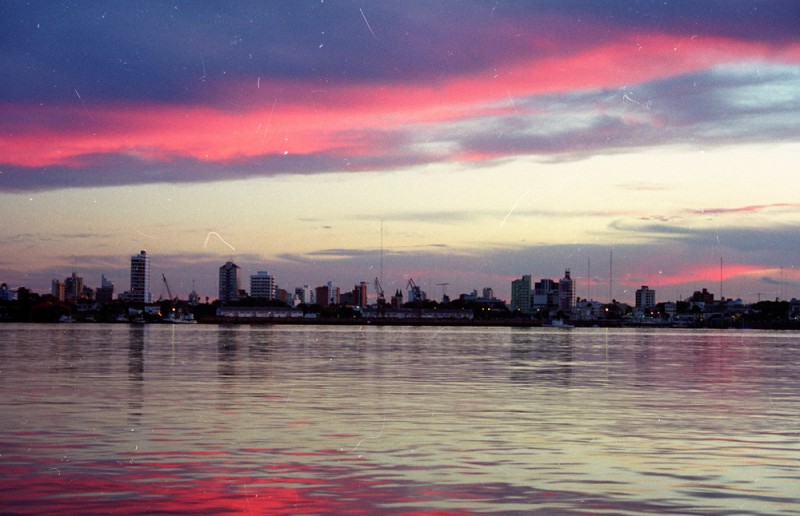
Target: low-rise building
x,y
258,312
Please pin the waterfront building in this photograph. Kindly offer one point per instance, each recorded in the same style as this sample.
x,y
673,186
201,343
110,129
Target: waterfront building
x,y
321,295
230,279
471,297
521,294
71,289
566,293
348,298
282,295
58,290
333,294
74,287
411,313
140,278
258,312
545,296
6,294
304,295
105,293
262,285
360,294
589,310
645,297
397,299
702,296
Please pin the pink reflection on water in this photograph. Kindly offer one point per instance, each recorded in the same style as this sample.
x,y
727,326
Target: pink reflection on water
x,y
181,487
163,482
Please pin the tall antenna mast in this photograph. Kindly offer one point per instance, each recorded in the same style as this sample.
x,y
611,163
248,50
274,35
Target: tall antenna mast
x,y
611,275
588,279
720,279
381,269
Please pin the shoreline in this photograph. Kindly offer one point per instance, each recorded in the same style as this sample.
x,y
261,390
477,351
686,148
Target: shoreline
x,y
410,321
458,323
489,323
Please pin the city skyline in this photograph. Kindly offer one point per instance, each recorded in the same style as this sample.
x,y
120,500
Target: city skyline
x,y
461,142
233,279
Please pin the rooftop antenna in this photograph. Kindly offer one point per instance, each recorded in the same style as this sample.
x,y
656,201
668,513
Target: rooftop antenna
x,y
721,297
381,269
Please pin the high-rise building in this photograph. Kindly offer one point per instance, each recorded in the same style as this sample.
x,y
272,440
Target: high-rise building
x,y
521,294
304,295
282,295
140,278
74,287
545,295
360,294
263,285
59,290
230,279
333,294
566,293
645,298
105,293
322,296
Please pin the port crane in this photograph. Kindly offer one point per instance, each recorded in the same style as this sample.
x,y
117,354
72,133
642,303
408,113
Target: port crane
x,y
381,297
415,295
414,290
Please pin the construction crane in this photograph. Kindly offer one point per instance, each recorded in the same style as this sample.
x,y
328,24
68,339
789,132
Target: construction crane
x,y
169,290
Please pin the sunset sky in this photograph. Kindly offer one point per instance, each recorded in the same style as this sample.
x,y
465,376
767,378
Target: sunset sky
x,y
466,143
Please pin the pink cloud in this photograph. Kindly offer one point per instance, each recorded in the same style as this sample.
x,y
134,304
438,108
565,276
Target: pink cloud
x,y
285,117
708,274
746,209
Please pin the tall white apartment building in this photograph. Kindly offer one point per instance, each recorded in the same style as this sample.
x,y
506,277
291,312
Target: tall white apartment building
x,y
645,297
263,285
140,278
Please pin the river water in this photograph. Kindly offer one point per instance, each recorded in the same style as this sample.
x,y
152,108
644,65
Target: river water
x,y
363,420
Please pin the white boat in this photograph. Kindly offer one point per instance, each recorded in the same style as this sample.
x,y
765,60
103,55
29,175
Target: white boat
x,y
176,318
